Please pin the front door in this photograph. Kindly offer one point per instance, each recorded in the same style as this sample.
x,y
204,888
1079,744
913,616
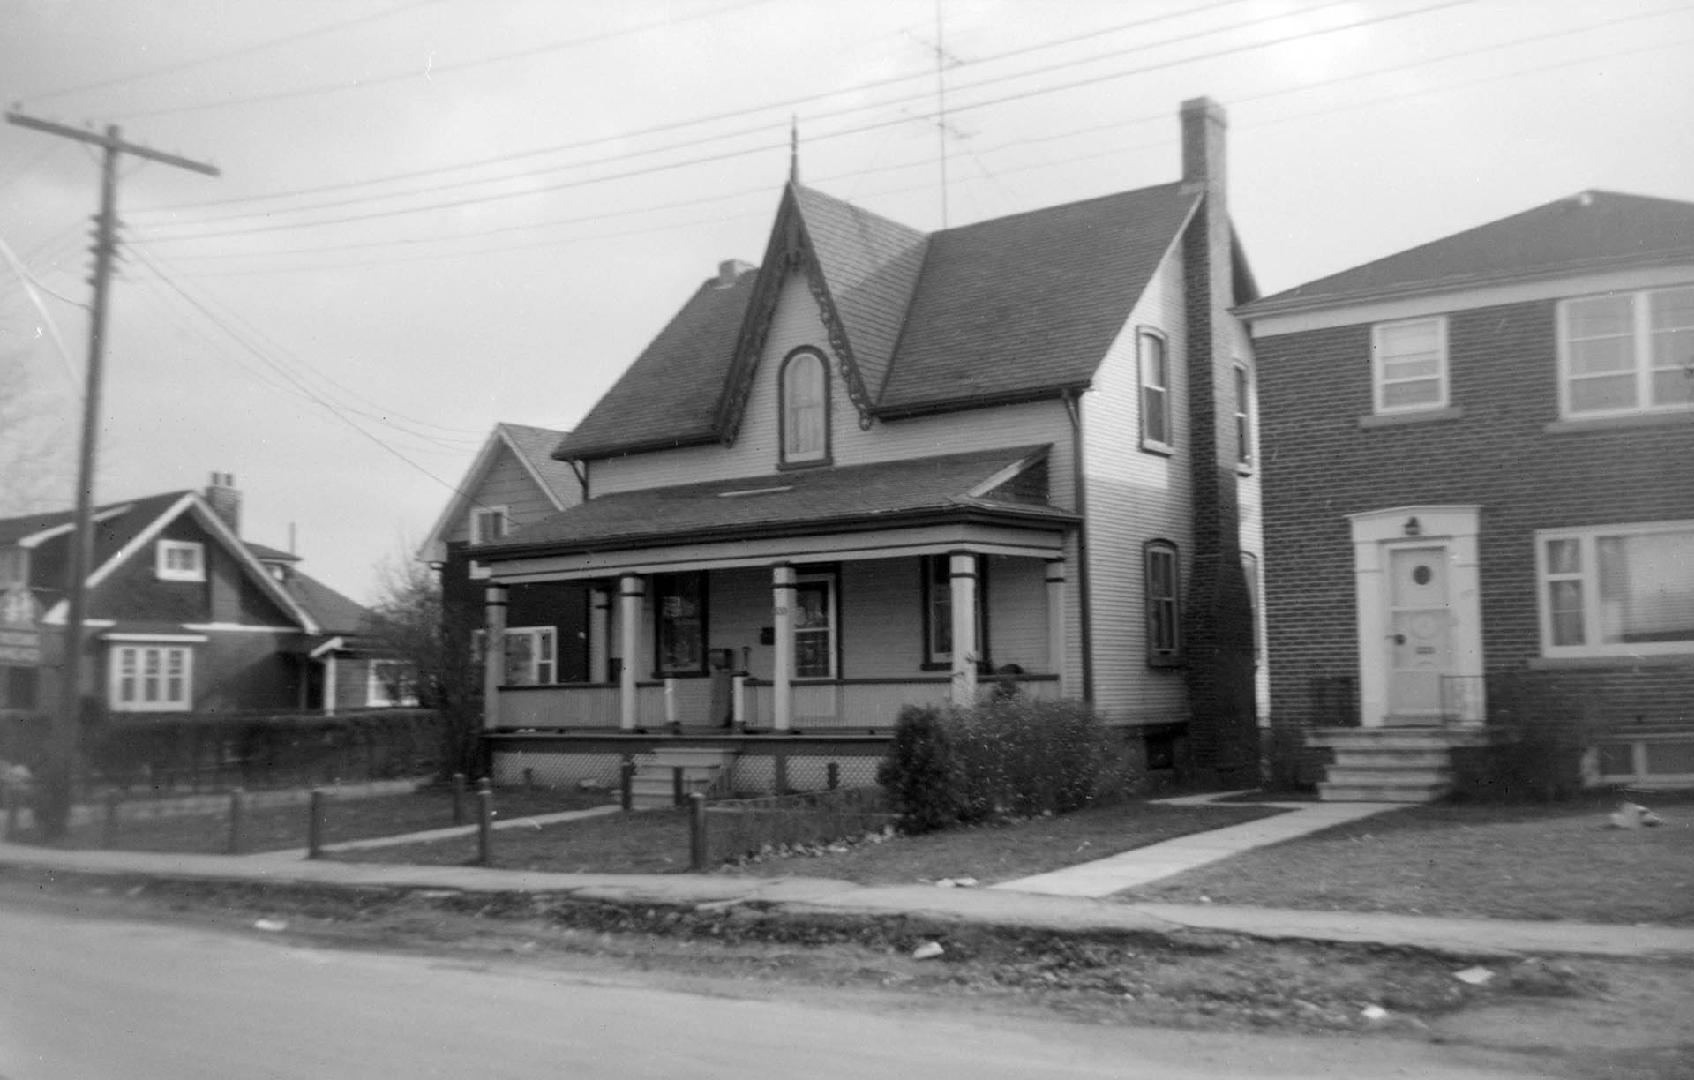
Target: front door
x,y
1420,630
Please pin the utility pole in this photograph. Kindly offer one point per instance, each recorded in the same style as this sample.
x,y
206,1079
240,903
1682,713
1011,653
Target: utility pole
x,y
53,805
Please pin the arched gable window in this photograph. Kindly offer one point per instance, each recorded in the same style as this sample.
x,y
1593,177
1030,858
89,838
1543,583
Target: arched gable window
x,y
805,408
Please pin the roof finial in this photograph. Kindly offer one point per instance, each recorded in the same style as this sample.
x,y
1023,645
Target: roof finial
x,y
794,148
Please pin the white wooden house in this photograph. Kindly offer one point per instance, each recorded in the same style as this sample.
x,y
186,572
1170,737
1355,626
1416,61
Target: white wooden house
x,y
888,466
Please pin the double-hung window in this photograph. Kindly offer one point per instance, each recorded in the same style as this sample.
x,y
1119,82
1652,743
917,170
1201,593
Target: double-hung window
x,y
1409,365
1243,385
938,611
151,678
1617,590
1163,583
679,609
814,628
1154,357
489,523
531,655
180,560
1626,353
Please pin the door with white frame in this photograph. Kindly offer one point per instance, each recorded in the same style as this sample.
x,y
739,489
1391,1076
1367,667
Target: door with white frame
x,y
1419,637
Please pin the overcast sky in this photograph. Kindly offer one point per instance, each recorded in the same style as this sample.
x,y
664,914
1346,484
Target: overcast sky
x,y
437,215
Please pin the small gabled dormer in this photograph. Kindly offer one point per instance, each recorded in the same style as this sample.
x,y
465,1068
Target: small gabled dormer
x,y
179,560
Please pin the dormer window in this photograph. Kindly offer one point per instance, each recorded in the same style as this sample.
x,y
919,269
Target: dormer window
x,y
805,408
488,523
180,560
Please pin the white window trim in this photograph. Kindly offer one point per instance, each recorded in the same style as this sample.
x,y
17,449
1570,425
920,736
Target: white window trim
x,y
376,688
481,514
114,681
1166,445
833,593
788,412
552,658
166,572
1162,548
1379,382
1641,338
1593,646
1241,384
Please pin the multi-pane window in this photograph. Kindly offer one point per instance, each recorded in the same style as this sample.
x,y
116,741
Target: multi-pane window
x,y
531,655
1409,365
814,628
180,560
390,684
489,523
805,408
150,678
1155,392
679,608
938,611
1628,353
1164,602
1243,416
1617,590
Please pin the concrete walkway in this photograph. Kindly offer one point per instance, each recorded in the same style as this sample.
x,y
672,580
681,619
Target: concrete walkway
x,y
801,897
1142,865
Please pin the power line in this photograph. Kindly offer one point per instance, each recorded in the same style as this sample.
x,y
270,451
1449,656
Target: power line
x,y
436,69
245,50
839,133
697,121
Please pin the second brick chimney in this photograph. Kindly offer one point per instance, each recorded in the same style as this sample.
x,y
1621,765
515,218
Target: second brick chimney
x,y
225,500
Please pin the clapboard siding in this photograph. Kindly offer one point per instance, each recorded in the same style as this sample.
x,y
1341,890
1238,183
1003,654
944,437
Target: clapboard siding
x,y
1135,496
506,483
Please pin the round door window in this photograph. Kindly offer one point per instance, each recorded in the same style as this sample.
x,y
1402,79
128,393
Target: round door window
x,y
1422,574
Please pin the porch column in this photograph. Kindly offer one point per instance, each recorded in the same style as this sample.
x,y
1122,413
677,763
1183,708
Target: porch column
x,y
329,684
961,580
1056,622
493,653
782,605
599,636
629,627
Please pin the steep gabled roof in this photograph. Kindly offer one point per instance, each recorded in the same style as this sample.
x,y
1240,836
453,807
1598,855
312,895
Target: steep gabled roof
x,y
811,499
333,612
1587,232
533,447
1017,306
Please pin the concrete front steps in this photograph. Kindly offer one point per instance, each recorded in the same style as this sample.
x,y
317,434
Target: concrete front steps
x,y
654,782
1400,763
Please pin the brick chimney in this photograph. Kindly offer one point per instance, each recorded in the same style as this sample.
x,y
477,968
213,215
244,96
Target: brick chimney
x,y
729,272
1218,634
225,500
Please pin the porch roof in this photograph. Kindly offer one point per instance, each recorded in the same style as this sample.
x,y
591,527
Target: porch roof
x,y
978,485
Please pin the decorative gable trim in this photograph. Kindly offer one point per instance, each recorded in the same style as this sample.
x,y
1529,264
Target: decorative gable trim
x,y
789,249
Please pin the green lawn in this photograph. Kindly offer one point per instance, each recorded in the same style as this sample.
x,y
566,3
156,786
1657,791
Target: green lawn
x,y
656,841
1521,862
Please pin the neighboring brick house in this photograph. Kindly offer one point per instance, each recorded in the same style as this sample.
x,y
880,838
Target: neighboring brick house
x,y
513,482
889,467
183,618
1479,505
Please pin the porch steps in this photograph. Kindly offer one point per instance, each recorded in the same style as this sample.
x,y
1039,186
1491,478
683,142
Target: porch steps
x,y
1391,764
702,767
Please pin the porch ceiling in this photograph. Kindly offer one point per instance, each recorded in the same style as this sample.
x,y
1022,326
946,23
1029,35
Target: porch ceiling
x,y
799,502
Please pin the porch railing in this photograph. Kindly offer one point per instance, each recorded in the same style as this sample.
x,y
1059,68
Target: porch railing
x,y
564,705
869,703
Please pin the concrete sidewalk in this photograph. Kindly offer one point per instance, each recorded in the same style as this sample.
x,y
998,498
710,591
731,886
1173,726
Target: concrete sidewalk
x,y
815,896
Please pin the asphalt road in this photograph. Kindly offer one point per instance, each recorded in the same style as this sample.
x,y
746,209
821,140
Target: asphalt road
x,y
91,998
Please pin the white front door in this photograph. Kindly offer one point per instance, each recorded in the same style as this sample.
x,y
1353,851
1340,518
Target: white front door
x,y
1420,629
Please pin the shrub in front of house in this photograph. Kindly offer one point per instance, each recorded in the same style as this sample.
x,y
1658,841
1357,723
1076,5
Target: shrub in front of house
x,y
1007,757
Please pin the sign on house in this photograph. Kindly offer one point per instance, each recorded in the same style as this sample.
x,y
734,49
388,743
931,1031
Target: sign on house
x,y
20,640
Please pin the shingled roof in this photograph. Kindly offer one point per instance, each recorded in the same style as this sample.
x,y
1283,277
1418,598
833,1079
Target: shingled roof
x,y
1016,306
895,491
1586,232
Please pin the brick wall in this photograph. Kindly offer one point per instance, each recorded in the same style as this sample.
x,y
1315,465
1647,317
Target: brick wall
x,y
1319,465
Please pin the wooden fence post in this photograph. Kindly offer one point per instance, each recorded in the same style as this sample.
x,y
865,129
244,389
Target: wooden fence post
x,y
779,768
833,771
458,798
484,823
237,822
109,835
697,832
676,785
626,784
315,824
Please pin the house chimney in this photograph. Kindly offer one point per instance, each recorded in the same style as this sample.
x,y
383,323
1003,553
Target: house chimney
x,y
225,500
729,272
1219,623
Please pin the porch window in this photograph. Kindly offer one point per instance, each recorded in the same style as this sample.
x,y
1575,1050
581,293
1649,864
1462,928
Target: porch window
x,y
531,655
938,612
151,678
390,684
1409,365
679,606
1155,392
1164,602
805,408
1625,353
489,523
814,628
1617,590
180,560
